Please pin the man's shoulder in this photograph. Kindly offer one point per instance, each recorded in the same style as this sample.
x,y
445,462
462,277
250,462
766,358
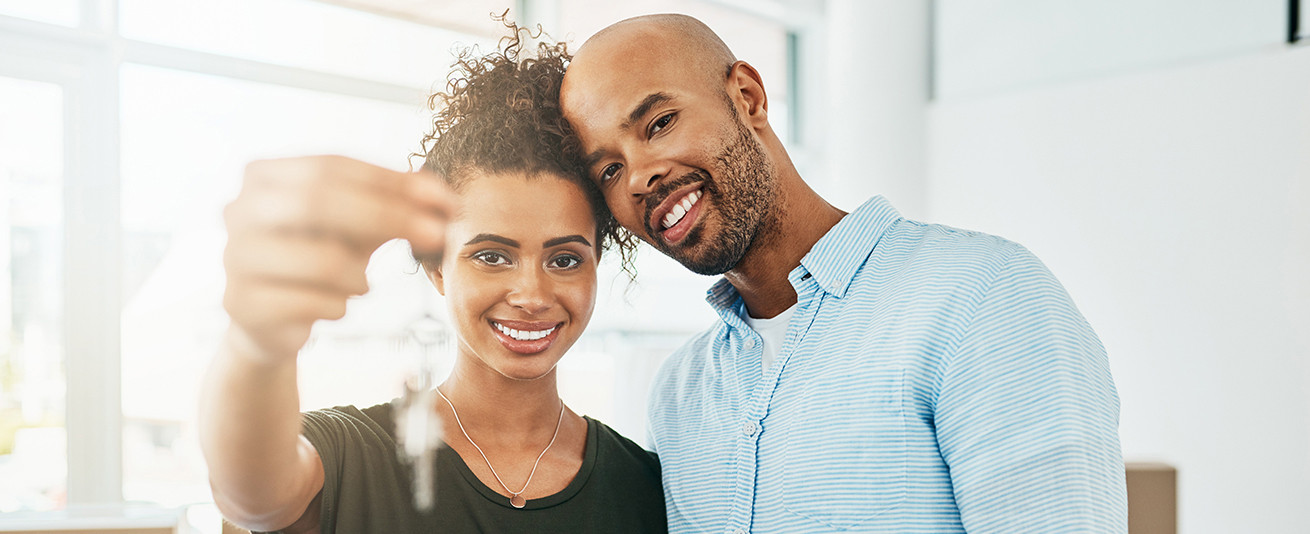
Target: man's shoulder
x,y
939,252
949,238
692,353
686,366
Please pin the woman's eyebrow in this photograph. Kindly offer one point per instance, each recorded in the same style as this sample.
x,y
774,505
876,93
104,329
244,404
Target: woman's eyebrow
x,y
480,238
575,238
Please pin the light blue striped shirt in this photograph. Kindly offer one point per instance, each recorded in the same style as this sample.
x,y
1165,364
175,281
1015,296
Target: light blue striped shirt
x,y
931,380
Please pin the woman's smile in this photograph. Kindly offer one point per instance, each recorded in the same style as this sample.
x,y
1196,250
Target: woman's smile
x,y
526,337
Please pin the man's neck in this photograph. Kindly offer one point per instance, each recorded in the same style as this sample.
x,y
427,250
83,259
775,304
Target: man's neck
x,y
801,217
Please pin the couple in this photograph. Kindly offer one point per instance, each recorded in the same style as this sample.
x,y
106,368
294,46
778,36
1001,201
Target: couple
x,y
870,373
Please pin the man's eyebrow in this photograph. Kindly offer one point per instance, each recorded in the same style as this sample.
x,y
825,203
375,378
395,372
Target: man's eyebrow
x,y
651,100
481,238
575,238
590,160
654,99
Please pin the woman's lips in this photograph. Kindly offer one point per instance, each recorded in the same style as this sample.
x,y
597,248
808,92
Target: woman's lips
x,y
526,337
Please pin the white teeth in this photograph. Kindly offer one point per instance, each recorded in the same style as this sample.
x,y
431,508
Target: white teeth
x,y
681,208
523,335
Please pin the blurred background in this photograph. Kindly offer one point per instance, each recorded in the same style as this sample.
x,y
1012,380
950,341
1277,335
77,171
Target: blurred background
x,y
1154,153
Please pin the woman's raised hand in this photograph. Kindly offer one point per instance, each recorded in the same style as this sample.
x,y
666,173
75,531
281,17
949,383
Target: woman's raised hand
x,y
300,234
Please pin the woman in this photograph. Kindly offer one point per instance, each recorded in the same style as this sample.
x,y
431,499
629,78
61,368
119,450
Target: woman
x,y
523,231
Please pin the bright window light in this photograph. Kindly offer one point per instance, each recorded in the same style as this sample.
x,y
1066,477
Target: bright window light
x,y
32,386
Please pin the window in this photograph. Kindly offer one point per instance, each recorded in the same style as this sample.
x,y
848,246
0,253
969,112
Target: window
x,y
61,12
181,162
32,385
140,115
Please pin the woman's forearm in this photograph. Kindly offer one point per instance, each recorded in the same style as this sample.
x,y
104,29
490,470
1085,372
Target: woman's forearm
x,y
262,471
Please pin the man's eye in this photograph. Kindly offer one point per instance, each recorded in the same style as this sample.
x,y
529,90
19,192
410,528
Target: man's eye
x,y
491,258
660,123
567,261
609,172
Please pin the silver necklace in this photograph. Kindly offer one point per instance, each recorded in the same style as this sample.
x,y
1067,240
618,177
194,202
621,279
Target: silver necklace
x,y
517,499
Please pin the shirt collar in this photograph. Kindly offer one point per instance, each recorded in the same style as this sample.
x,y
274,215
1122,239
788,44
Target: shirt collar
x,y
832,261
839,254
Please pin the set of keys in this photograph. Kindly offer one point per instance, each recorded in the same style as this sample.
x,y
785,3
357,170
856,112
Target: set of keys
x,y
418,429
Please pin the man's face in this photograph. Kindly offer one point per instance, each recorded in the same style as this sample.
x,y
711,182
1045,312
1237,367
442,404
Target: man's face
x,y
678,167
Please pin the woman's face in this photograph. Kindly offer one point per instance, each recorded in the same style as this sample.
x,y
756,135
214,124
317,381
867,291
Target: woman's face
x,y
519,272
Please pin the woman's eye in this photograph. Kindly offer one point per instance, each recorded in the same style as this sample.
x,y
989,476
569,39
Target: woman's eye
x,y
660,123
491,258
609,172
565,262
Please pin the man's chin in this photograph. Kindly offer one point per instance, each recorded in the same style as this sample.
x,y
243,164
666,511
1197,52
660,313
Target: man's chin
x,y
697,256
706,263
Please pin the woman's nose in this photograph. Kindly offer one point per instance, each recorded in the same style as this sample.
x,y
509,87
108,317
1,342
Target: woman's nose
x,y
531,291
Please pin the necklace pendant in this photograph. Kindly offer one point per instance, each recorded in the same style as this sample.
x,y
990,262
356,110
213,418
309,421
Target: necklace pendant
x,y
518,501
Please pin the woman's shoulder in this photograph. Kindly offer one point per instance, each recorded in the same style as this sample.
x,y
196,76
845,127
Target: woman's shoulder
x,y
377,418
613,446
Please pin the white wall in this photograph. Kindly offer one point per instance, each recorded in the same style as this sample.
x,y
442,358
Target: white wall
x,y
1173,200
877,73
986,46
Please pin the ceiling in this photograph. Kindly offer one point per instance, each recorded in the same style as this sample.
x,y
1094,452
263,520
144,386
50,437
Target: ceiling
x,y
470,16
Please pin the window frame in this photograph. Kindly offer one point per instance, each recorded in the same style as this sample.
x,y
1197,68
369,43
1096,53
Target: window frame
x,y
86,61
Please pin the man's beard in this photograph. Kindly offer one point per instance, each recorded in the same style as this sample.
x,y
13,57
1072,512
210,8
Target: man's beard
x,y
743,194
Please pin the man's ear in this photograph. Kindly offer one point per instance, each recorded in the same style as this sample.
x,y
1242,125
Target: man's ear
x,y
746,87
434,274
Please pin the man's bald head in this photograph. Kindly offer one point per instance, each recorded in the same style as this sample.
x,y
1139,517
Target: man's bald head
x,y
675,131
671,37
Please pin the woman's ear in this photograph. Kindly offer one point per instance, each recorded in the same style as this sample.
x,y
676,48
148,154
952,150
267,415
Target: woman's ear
x,y
434,274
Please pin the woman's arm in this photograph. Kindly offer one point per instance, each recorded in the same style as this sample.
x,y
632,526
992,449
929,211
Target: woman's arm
x,y
299,238
263,472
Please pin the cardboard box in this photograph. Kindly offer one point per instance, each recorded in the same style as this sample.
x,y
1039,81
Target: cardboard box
x,y
1152,498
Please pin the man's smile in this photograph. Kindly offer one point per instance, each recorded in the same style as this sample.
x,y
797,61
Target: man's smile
x,y
675,216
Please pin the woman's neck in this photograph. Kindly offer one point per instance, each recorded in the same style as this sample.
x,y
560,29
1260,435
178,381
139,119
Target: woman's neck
x,y
495,407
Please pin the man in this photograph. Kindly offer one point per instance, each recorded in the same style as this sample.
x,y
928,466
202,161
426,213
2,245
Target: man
x,y
870,373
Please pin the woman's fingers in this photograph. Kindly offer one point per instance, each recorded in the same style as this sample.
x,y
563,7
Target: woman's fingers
x,y
325,264
277,317
342,199
301,232
432,199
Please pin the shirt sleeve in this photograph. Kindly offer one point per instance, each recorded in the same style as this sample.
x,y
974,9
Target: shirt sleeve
x,y
1027,414
362,475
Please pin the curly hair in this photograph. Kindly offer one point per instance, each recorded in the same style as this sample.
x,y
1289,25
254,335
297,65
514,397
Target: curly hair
x,y
500,114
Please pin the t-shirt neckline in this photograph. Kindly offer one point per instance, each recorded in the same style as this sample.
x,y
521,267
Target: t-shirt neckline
x,y
579,480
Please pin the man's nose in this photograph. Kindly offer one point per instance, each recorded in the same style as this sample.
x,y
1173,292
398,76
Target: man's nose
x,y
647,174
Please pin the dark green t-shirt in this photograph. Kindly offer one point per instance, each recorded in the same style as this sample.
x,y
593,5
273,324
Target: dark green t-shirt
x,y
366,488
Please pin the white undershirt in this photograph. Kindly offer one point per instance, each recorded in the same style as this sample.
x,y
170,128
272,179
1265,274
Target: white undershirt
x,y
772,331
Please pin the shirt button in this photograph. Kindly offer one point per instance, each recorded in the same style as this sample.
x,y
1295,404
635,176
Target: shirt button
x,y
750,343
748,428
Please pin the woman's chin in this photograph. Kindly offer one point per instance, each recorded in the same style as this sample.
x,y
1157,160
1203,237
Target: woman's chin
x,y
526,373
